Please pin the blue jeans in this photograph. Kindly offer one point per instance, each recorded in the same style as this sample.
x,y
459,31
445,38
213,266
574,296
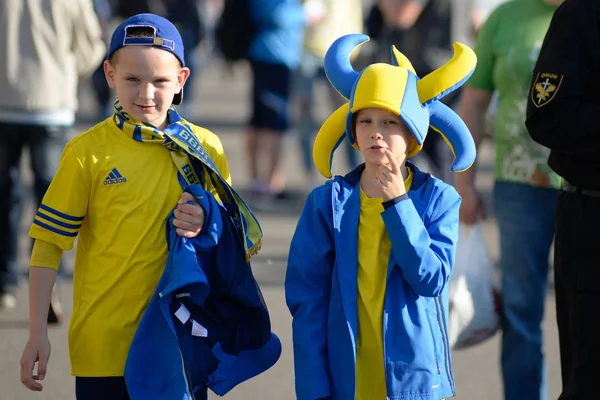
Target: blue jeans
x,y
307,76
45,144
525,217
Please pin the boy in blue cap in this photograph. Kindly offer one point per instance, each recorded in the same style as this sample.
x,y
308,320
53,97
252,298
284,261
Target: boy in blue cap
x,y
114,188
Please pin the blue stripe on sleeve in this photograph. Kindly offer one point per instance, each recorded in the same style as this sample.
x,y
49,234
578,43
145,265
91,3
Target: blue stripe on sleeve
x,y
59,214
57,222
55,230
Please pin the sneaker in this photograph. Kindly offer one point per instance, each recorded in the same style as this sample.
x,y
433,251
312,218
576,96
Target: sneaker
x,y
55,311
8,301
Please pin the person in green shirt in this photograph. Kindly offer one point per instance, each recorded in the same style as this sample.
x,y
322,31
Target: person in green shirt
x,y
526,189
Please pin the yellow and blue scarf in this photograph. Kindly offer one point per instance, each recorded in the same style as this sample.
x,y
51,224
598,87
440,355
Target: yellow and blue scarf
x,y
191,159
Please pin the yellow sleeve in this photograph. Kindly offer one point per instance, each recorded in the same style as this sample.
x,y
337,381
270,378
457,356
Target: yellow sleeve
x,y
45,254
219,158
64,206
214,148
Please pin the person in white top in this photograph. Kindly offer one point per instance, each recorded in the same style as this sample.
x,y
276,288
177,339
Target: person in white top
x,y
45,46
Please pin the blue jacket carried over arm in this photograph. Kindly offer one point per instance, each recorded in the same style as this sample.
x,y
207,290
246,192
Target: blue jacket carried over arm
x,y
207,324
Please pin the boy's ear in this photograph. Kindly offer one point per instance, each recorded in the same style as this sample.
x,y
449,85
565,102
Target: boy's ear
x,y
183,76
109,73
412,146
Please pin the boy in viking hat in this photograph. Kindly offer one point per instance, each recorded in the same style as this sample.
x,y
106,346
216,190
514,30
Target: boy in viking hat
x,y
373,250
115,187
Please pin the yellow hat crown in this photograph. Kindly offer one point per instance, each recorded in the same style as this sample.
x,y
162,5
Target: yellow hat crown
x,y
395,87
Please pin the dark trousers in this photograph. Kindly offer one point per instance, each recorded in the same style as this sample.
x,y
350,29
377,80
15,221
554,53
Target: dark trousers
x,y
45,144
111,388
104,388
577,276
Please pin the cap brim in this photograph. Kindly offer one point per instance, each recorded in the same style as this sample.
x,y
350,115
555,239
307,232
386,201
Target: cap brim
x,y
178,98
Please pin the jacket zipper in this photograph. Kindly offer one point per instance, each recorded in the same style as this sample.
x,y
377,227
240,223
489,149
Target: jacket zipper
x,y
447,364
188,388
383,330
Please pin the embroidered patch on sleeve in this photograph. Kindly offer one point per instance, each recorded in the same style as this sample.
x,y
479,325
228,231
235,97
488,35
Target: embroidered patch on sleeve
x,y
545,87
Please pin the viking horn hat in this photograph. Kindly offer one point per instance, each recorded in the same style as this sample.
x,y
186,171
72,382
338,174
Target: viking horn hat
x,y
396,87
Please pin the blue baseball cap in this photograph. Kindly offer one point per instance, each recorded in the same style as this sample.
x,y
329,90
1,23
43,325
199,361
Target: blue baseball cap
x,y
165,37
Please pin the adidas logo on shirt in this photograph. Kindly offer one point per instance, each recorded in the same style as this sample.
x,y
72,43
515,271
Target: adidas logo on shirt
x,y
114,178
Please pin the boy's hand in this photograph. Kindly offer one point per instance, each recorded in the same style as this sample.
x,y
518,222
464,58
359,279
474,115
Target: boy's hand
x,y
390,178
36,350
189,218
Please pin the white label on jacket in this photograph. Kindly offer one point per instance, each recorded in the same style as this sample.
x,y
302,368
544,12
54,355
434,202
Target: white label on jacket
x,y
183,314
198,330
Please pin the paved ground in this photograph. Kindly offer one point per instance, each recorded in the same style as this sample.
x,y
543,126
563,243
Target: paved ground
x,y
221,107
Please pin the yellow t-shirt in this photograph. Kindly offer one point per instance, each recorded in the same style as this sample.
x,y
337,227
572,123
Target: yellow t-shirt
x,y
374,249
115,194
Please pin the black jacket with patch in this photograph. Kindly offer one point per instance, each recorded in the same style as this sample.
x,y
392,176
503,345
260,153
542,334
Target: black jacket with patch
x,y
563,111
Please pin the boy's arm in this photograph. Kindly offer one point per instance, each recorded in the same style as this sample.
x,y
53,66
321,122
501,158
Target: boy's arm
x,y
41,282
54,229
307,289
425,254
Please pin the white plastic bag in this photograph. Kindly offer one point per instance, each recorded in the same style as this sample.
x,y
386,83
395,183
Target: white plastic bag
x,y
472,291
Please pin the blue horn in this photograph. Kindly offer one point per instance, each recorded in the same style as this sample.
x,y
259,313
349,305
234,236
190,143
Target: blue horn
x,y
447,123
337,64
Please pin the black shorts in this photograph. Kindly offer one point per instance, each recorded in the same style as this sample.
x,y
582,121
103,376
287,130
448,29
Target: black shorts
x,y
270,96
102,388
110,388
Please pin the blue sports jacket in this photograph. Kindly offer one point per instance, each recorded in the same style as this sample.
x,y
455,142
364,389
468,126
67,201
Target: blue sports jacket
x,y
322,286
207,324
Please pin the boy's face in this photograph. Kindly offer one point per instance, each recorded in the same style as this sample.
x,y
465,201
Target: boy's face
x,y
146,79
377,129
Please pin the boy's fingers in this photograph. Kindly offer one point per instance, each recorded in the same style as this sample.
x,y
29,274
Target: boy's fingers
x,y
41,369
27,377
185,225
191,220
393,162
26,372
189,209
383,177
186,233
185,197
385,170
